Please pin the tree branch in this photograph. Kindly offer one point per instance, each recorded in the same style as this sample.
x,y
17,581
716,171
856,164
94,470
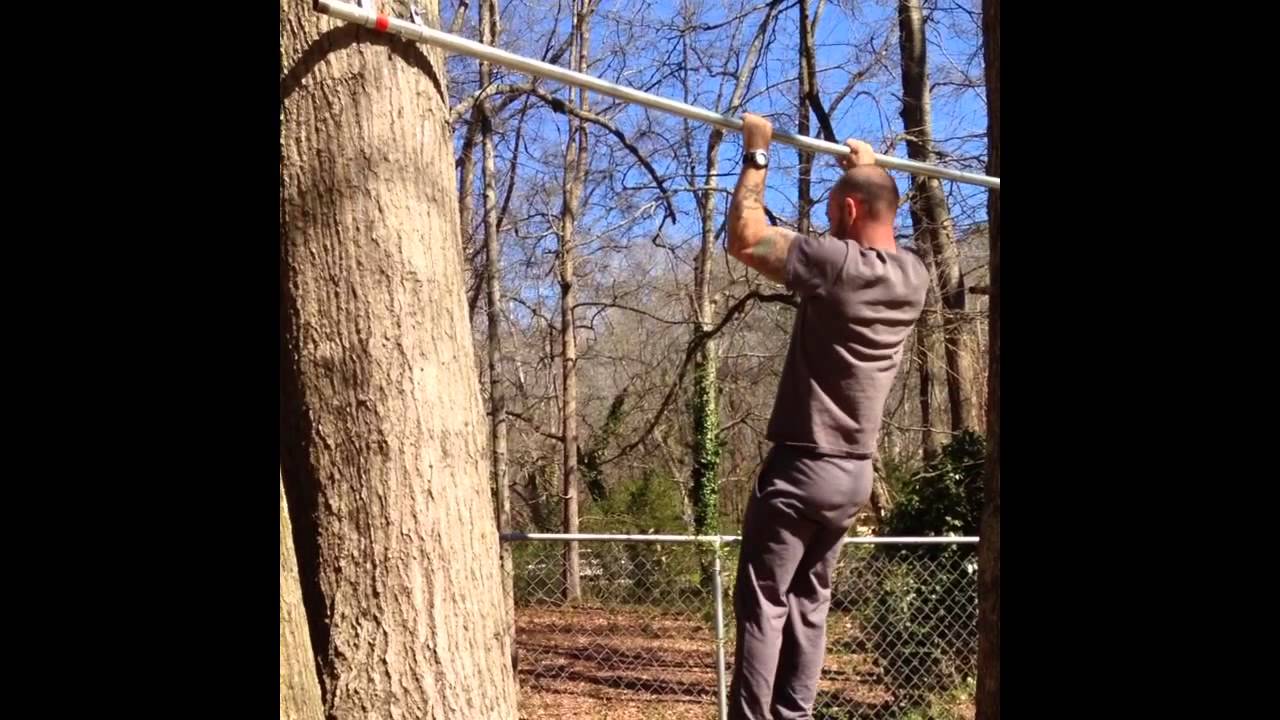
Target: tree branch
x,y
691,351
511,181
457,112
634,310
741,420
860,75
824,120
914,428
534,426
464,105
563,108
458,16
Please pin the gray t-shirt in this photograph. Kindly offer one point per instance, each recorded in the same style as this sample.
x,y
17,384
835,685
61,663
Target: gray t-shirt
x,y
857,307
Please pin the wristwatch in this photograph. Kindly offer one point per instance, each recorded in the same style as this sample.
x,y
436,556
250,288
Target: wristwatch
x,y
756,159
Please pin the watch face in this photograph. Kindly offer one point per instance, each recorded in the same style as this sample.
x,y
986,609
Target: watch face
x,y
759,158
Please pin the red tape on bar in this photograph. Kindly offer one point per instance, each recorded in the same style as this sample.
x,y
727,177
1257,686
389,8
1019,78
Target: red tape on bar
x,y
383,23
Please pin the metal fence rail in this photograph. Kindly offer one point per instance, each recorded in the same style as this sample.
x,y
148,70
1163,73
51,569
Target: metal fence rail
x,y
652,635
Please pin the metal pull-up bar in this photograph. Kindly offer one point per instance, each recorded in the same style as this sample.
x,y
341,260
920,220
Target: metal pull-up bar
x,y
447,41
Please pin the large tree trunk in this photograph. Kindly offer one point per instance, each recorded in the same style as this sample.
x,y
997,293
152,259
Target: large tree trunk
x,y
382,426
575,172
299,688
493,279
988,701
930,212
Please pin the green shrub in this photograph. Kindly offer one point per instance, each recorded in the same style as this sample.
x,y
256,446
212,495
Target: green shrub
x,y
920,608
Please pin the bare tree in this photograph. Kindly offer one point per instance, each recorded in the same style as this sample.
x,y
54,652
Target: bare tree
x,y
705,406
808,80
493,280
932,218
575,168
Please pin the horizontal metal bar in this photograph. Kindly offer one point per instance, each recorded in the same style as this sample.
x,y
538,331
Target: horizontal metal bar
x,y
598,537
943,540
480,51
725,539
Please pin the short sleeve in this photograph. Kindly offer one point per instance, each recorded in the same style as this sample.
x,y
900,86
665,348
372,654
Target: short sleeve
x,y
814,262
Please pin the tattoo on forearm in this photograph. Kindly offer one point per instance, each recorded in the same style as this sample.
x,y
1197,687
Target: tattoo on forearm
x,y
753,194
762,251
764,248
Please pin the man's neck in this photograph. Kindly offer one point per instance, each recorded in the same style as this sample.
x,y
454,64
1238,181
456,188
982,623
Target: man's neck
x,y
878,237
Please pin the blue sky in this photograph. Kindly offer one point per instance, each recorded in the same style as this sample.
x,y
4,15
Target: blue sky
x,y
845,29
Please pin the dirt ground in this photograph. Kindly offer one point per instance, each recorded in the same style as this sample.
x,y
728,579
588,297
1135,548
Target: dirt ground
x,y
632,664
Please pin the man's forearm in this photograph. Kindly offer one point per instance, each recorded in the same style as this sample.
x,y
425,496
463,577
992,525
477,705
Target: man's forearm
x,y
751,239
747,220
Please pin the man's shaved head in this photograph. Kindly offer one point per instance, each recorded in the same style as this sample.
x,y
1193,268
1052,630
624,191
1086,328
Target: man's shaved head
x,y
873,188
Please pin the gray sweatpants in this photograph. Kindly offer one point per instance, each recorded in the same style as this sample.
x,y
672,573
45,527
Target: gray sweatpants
x,y
801,507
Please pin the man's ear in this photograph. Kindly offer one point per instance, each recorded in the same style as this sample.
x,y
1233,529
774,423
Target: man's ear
x,y
849,209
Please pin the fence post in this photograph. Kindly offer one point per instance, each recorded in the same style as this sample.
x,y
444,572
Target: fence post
x,y
716,588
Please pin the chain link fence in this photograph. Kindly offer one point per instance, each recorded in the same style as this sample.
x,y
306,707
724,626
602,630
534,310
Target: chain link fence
x,y
641,641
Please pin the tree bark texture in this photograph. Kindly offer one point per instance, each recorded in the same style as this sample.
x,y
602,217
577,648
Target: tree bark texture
x,y
299,687
383,433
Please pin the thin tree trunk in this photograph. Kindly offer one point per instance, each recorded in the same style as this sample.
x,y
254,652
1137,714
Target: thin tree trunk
x,y
299,687
923,343
807,77
493,276
881,501
927,358
466,181
575,172
929,205
533,490
383,438
706,444
466,205
988,700
705,461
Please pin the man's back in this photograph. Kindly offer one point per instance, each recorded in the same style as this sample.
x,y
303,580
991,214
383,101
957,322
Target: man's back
x,y
857,309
